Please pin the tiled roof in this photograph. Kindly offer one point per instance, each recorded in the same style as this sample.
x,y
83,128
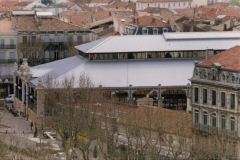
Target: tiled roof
x,y
83,6
148,21
229,59
96,9
77,18
28,23
52,24
25,23
154,10
6,26
24,3
8,5
68,4
170,121
101,15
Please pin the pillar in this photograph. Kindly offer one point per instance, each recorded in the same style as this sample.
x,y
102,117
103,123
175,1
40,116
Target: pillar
x,y
189,106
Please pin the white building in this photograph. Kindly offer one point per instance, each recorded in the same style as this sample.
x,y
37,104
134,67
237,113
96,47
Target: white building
x,y
215,103
176,4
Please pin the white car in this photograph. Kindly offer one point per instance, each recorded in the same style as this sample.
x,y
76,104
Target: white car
x,y
10,98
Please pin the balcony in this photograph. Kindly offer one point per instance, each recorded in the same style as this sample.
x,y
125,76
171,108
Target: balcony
x,y
210,129
204,128
231,133
7,61
11,46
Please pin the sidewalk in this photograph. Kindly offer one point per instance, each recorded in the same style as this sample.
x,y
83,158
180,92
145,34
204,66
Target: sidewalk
x,y
17,124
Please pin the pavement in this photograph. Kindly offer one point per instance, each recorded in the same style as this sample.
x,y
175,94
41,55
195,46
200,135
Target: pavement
x,y
17,124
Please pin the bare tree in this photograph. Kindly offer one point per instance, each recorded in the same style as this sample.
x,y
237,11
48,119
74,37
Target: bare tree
x,y
33,51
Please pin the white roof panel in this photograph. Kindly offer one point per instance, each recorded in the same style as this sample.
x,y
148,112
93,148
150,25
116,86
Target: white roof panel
x,y
165,42
23,12
44,14
40,72
167,72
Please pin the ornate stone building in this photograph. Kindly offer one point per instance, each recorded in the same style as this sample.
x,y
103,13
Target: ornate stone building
x,y
215,104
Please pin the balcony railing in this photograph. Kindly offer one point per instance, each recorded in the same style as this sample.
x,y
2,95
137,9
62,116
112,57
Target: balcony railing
x,y
207,128
11,46
7,61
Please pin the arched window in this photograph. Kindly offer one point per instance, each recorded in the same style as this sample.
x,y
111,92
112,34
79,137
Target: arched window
x,y
168,55
144,31
155,31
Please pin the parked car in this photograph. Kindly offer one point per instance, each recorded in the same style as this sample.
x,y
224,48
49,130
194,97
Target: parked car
x,y
10,98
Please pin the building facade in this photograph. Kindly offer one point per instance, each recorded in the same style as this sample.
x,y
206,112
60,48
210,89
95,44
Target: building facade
x,y
8,56
215,103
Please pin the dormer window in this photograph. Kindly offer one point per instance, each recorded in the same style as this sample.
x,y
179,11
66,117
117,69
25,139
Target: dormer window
x,y
144,31
155,31
165,29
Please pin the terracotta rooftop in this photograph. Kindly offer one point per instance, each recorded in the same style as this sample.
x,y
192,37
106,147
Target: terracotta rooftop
x,y
8,5
170,121
77,18
6,26
22,4
68,4
154,10
96,9
83,6
229,59
148,21
28,23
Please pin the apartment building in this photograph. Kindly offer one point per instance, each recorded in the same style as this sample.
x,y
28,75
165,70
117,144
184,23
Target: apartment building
x,y
215,107
173,4
42,38
8,55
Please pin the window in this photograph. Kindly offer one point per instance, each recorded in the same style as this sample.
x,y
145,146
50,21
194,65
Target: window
x,y
196,116
223,122
2,42
2,57
144,31
12,43
155,31
24,39
173,4
232,125
55,38
46,38
148,5
12,55
214,122
205,118
165,30
65,38
74,38
195,94
232,101
178,4
214,98
223,96
34,39
214,74
205,96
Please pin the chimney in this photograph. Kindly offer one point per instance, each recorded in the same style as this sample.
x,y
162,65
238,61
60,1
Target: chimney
x,y
153,20
137,20
134,21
